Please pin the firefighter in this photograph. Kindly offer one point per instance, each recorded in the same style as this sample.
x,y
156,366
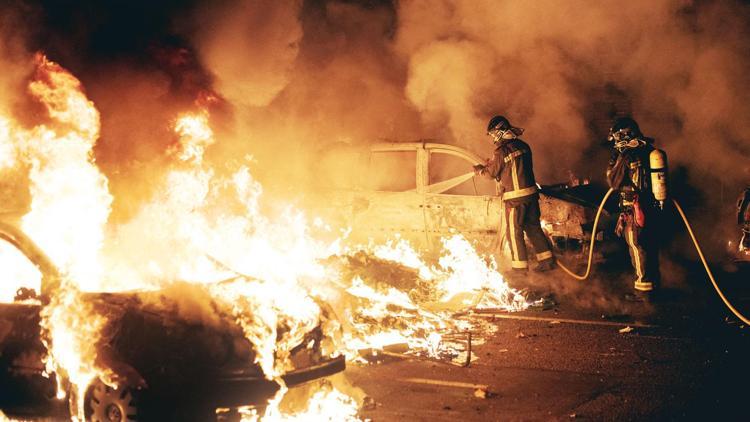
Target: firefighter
x,y
631,172
743,219
511,165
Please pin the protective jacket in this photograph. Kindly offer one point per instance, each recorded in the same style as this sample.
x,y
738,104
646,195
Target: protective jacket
x,y
512,166
629,173
743,219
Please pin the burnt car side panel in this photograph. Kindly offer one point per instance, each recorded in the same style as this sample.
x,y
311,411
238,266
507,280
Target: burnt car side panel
x,y
378,215
475,217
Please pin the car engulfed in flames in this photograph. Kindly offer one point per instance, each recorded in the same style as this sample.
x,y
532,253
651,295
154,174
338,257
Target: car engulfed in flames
x,y
199,299
158,356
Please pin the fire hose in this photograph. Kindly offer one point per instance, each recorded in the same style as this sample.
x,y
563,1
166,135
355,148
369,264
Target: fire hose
x,y
591,246
724,299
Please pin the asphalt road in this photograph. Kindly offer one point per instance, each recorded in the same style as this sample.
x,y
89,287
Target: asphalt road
x,y
683,359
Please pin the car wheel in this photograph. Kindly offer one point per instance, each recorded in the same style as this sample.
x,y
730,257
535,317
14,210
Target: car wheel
x,y
106,404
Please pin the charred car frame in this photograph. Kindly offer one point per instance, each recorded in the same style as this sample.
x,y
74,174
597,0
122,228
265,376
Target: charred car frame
x,y
165,363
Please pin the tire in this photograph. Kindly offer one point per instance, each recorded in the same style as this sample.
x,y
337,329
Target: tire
x,y
103,403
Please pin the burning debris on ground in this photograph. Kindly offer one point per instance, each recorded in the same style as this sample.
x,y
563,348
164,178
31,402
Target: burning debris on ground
x,y
260,210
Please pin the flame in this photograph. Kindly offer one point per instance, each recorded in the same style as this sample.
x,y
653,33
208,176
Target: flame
x,y
422,316
8,151
325,405
69,209
70,197
207,227
195,135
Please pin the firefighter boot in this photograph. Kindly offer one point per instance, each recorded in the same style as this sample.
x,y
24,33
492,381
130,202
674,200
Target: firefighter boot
x,y
546,265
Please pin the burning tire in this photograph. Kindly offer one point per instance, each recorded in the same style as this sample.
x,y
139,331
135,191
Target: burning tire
x,y
106,404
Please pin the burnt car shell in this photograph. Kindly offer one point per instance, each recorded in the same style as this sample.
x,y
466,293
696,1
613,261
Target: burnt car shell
x,y
179,360
424,191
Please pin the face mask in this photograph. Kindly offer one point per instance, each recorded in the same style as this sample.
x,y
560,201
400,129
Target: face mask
x,y
498,135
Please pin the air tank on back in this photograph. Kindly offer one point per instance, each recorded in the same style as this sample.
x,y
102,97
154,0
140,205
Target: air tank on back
x,y
658,164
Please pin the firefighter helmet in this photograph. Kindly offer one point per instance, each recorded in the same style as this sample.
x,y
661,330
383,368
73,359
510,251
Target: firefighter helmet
x,y
624,129
500,128
498,122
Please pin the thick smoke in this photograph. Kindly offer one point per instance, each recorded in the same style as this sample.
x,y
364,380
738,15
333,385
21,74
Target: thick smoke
x,y
251,48
563,70
680,66
302,77
291,78
353,72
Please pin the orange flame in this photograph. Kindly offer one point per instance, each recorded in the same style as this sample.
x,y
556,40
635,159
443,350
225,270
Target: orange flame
x,y
69,209
206,228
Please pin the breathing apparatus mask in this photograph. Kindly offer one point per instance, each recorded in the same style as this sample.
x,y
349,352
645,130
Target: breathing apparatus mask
x,y
624,139
626,134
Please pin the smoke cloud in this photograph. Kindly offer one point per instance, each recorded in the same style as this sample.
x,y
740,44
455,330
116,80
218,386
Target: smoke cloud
x,y
251,47
291,78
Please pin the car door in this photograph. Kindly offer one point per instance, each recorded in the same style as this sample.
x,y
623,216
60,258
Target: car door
x,y
22,353
457,201
386,202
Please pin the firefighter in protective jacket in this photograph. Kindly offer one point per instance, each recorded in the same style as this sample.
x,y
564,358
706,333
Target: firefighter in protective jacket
x,y
743,219
512,166
630,173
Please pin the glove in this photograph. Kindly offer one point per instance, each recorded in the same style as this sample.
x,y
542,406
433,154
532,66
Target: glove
x,y
621,222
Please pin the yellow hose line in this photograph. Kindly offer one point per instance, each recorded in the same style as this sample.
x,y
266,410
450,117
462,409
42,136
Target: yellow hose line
x,y
692,236
591,246
705,265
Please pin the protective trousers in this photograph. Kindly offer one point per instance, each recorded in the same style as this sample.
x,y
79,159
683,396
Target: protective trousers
x,y
523,217
644,254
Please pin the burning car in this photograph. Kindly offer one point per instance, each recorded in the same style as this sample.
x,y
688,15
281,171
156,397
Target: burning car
x,y
155,356
424,191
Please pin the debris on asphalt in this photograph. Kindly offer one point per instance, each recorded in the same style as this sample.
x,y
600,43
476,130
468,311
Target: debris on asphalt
x,y
468,349
626,330
480,393
543,304
520,334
